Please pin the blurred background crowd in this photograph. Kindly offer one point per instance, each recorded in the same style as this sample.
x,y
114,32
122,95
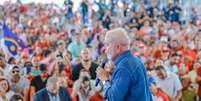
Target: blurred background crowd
x,y
64,46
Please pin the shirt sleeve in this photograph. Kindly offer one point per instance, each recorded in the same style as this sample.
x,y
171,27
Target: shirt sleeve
x,y
178,85
70,48
119,87
33,82
175,69
76,86
26,83
35,98
75,72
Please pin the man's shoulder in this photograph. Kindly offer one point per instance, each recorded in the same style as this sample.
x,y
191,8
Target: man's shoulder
x,y
172,75
94,65
133,66
122,70
135,59
76,83
132,58
131,62
64,92
41,92
24,79
63,89
71,45
40,95
77,66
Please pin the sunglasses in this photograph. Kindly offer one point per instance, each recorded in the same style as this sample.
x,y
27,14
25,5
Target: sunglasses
x,y
15,71
60,44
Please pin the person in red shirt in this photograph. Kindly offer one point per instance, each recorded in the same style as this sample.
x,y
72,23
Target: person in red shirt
x,y
96,97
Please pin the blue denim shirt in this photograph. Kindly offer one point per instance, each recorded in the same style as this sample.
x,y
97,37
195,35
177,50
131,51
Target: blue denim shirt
x,y
129,80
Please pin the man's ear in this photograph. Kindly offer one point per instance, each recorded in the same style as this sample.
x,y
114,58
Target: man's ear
x,y
118,48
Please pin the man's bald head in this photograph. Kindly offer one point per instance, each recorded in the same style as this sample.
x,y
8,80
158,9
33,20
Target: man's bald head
x,y
117,36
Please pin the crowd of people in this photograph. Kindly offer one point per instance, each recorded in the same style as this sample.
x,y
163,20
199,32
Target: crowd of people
x,y
64,48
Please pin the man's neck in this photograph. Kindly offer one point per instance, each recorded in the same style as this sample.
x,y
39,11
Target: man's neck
x,y
86,65
52,94
15,80
115,57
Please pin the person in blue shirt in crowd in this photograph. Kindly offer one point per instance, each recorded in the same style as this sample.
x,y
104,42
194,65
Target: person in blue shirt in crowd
x,y
129,79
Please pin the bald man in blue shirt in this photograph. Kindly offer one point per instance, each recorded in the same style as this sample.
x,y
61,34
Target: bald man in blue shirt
x,y
129,80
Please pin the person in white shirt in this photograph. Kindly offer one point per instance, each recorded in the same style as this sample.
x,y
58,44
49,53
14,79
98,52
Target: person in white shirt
x,y
171,64
18,83
169,83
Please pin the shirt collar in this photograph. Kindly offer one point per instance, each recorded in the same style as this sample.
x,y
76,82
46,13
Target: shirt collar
x,y
121,56
168,74
53,97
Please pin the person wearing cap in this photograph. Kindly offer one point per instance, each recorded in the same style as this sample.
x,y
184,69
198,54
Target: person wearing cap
x,y
39,82
18,83
129,80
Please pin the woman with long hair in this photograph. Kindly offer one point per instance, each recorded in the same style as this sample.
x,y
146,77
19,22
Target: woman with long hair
x,y
5,93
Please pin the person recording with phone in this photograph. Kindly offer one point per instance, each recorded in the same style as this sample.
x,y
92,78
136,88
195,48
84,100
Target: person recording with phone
x,y
83,87
129,79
